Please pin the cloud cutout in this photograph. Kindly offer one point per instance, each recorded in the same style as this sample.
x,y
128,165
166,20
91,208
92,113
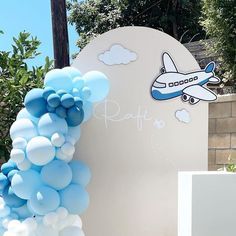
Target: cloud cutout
x,y
117,55
159,124
183,116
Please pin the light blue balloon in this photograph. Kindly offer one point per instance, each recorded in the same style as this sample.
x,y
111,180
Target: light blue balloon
x,y
4,182
67,100
81,173
11,174
24,183
8,166
57,174
72,71
61,92
11,199
50,123
23,113
75,116
74,132
75,199
88,110
53,100
35,103
44,200
98,84
78,82
85,93
72,231
58,79
23,212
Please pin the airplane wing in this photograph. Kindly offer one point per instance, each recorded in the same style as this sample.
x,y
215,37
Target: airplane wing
x,y
168,63
200,92
214,80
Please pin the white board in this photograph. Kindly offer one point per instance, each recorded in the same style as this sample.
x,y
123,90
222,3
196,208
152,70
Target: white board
x,y
135,145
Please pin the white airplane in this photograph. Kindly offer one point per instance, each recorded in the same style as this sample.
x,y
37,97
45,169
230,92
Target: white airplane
x,y
171,83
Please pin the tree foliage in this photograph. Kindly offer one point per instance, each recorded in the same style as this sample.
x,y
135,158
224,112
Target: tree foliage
x,y
219,21
178,18
16,79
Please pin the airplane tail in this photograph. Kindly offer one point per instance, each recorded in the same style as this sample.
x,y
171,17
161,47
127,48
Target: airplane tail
x,y
210,67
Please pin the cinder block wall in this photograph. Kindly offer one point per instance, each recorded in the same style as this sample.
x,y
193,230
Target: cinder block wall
x,y
222,132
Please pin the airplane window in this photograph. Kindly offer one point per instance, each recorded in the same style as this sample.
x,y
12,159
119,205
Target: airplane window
x,y
191,79
186,81
181,82
162,70
159,85
171,84
195,77
176,83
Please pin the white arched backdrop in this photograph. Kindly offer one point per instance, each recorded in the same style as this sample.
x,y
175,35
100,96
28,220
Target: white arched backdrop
x,y
134,144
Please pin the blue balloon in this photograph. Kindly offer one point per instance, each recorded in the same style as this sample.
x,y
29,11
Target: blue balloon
x,y
74,198
23,113
35,103
8,166
44,200
80,173
50,123
75,116
50,109
23,212
78,102
67,100
57,174
48,91
61,112
98,84
58,79
78,82
4,182
85,93
61,92
53,100
24,183
11,199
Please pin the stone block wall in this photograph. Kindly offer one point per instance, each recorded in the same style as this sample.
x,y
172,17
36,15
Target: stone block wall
x,y
222,132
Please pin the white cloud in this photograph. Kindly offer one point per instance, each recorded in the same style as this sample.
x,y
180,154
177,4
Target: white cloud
x,y
117,55
183,116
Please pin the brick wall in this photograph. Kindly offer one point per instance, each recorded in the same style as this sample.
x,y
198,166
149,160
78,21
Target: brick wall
x,y
222,132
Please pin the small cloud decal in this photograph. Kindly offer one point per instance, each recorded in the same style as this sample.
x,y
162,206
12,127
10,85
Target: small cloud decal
x,y
183,116
117,55
159,124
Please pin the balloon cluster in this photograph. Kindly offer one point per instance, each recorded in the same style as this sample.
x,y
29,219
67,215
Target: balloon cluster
x,y
42,188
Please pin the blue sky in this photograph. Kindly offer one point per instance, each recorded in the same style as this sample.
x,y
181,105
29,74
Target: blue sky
x,y
33,16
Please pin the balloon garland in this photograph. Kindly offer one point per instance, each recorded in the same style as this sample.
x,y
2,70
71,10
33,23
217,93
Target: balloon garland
x,y
42,188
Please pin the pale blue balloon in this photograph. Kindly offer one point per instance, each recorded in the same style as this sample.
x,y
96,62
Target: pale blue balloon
x,y
24,183
99,85
72,71
57,174
88,110
81,173
58,79
50,123
74,132
78,82
11,199
44,200
75,199
23,113
72,231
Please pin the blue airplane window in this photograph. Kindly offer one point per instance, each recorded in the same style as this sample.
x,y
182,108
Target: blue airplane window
x,y
186,81
176,83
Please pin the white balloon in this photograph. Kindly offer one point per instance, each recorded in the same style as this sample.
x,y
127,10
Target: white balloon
x,y
68,149
57,139
71,231
13,225
20,143
70,139
4,210
62,212
60,155
23,128
50,219
31,224
43,230
17,155
24,165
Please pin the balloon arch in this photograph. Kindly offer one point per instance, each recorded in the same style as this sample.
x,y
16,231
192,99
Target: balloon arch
x,y
42,187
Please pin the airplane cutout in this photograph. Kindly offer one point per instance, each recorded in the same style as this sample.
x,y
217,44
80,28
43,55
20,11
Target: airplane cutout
x,y
171,83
